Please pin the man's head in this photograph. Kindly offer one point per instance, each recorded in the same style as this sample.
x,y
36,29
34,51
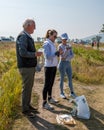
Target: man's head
x,y
29,26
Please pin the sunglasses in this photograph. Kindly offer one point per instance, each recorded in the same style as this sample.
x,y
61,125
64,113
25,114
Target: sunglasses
x,y
55,36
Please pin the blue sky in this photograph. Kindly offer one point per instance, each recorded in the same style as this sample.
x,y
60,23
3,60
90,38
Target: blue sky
x,y
78,18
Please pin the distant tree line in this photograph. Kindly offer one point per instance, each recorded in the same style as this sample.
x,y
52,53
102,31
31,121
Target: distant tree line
x,y
10,38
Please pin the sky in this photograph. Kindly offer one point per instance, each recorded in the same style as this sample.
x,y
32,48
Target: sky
x,y
78,18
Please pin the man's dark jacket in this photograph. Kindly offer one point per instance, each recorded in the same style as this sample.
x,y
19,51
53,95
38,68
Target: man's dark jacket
x,y
25,50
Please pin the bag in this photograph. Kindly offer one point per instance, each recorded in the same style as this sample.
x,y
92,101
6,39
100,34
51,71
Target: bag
x,y
81,108
38,67
65,119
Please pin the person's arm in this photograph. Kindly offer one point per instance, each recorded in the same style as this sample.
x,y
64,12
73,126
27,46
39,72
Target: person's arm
x,y
71,54
47,51
63,52
66,53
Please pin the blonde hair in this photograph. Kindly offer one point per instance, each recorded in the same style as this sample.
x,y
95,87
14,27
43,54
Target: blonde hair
x,y
28,22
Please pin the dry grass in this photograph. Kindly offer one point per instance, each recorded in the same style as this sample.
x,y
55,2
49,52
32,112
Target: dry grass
x,y
88,65
88,70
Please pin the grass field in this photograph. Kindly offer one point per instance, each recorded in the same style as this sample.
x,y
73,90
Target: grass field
x,y
88,68
10,85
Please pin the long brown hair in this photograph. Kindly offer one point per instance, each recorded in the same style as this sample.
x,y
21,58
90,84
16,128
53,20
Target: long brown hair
x,y
50,32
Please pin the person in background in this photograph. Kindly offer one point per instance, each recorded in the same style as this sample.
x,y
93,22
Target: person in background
x,y
92,44
66,54
26,62
50,67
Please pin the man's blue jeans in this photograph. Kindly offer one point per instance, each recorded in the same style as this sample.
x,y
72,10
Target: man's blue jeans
x,y
65,68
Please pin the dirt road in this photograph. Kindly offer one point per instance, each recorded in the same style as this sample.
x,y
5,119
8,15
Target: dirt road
x,y
46,120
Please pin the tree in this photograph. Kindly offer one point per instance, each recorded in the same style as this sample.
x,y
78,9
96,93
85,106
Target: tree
x,y
98,38
102,30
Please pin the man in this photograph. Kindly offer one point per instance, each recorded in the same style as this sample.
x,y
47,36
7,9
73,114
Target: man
x,y
26,62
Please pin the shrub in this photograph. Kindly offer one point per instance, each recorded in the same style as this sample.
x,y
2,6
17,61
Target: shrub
x,y
10,85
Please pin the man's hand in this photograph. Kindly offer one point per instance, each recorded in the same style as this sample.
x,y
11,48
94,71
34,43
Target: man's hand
x,y
38,53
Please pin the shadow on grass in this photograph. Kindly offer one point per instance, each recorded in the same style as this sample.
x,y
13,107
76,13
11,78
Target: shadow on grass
x,y
42,124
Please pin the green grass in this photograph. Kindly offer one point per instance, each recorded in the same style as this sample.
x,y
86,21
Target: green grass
x,y
9,96
88,65
10,85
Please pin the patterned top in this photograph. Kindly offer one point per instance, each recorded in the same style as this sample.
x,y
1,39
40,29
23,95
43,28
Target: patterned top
x,y
67,54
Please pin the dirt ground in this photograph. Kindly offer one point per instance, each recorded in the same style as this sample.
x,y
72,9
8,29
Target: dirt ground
x,y
46,120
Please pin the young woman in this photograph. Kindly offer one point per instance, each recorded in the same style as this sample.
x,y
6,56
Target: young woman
x,y
65,65
50,67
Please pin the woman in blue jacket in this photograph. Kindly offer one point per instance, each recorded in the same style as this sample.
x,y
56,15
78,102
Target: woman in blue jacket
x,y
50,67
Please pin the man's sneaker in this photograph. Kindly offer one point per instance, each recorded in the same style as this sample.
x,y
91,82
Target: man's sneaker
x,y
32,108
62,96
29,114
73,95
52,101
47,106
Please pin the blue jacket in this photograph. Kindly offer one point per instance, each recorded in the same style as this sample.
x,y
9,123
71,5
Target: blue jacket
x,y
25,50
49,54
